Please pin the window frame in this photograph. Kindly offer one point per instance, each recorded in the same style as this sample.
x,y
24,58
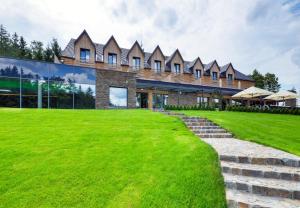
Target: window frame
x,y
230,75
112,55
157,70
176,69
84,59
134,62
109,97
196,73
214,78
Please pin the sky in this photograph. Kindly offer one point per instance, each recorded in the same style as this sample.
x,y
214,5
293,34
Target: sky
x,y
251,34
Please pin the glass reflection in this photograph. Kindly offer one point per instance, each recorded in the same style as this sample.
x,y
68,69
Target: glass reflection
x,y
117,97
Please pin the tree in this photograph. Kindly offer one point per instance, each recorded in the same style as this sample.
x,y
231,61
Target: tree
x,y
48,54
55,48
15,45
258,79
271,82
37,50
4,41
22,47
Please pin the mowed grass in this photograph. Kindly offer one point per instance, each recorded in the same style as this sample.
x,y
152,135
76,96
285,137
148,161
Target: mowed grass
x,y
112,158
275,130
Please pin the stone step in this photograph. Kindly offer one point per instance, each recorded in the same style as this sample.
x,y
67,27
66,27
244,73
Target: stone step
x,y
262,171
263,186
215,135
209,131
238,199
192,117
261,160
204,127
195,120
200,124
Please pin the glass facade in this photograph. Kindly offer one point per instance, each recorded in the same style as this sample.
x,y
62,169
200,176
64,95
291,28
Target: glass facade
x,y
33,84
160,100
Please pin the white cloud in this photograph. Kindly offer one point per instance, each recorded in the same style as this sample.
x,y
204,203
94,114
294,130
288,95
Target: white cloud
x,y
249,33
78,78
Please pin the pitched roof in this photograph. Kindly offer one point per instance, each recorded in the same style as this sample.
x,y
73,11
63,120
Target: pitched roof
x,y
69,52
84,32
156,48
138,45
112,38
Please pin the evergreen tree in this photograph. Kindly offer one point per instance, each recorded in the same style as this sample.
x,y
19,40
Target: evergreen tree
x,y
22,47
271,82
258,78
55,47
4,41
293,90
15,45
37,50
48,54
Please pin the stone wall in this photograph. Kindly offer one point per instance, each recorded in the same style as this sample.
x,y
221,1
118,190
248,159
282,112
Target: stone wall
x,y
110,78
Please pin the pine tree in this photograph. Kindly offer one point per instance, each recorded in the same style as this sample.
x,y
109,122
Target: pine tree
x,y
22,47
55,47
271,82
37,50
15,45
4,41
48,54
258,78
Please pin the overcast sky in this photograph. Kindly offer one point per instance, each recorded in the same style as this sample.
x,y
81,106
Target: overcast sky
x,y
261,34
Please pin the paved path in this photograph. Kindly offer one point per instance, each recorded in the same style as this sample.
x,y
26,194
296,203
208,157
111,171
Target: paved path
x,y
255,176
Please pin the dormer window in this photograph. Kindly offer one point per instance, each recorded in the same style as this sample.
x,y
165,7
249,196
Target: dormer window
x,y
112,58
198,74
136,62
157,66
229,77
177,68
84,55
214,75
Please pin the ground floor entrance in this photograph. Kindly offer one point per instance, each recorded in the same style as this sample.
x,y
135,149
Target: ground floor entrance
x,y
141,100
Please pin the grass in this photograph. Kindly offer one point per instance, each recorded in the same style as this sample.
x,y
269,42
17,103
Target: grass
x,y
279,131
113,158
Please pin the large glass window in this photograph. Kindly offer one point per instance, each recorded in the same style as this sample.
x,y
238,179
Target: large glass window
x,y
157,66
117,97
177,68
84,55
198,74
159,100
215,76
112,58
229,77
136,62
203,101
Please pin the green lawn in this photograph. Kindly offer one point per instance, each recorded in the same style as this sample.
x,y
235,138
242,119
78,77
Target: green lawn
x,y
279,131
112,158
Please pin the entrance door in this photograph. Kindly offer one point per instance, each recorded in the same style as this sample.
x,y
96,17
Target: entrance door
x,y
142,100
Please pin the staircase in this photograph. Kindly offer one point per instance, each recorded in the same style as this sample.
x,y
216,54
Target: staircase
x,y
255,176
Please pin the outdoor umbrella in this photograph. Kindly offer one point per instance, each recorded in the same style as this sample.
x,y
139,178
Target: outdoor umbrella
x,y
252,92
282,96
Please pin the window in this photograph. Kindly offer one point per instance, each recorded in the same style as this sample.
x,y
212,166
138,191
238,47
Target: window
x,y
198,74
202,101
229,77
112,58
84,55
136,62
159,100
117,97
215,75
157,66
177,68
